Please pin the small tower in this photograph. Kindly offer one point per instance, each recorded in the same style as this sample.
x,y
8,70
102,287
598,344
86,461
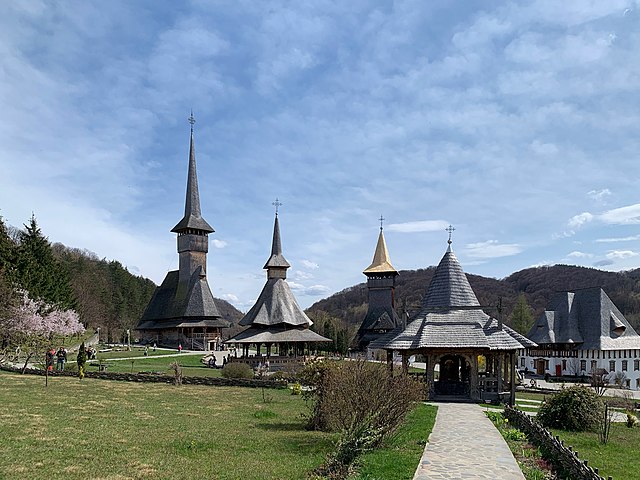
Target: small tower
x,y
381,282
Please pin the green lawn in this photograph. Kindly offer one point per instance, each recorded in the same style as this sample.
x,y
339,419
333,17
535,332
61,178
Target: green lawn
x,y
191,365
618,458
400,458
135,352
99,429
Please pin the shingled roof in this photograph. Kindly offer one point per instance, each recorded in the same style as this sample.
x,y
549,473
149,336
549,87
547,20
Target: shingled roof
x,y
381,262
452,318
173,303
587,318
192,216
276,314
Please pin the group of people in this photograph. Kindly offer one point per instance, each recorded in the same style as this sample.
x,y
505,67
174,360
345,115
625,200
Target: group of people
x,y
213,361
59,356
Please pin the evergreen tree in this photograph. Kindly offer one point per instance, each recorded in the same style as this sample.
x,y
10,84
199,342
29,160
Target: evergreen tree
x,y
521,316
7,248
38,272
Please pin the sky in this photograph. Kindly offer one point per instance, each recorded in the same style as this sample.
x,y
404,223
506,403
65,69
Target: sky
x,y
516,122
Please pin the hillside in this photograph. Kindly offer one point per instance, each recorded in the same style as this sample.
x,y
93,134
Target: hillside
x,y
537,285
109,296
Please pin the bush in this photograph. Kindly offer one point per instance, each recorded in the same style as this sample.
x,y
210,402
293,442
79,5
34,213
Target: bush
x,y
237,370
359,400
575,409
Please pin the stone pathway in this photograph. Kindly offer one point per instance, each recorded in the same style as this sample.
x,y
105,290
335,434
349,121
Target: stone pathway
x,y
464,444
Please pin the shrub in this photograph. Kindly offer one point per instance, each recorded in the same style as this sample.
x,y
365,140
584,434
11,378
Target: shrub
x,y
575,409
359,400
237,370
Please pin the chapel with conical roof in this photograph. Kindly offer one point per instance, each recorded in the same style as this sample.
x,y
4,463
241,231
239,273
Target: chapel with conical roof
x,y
182,309
275,321
381,315
467,352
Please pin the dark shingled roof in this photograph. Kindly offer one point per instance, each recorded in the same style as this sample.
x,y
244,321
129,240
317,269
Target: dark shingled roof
x,y
276,260
276,315
192,216
449,286
276,305
277,334
449,319
173,303
587,318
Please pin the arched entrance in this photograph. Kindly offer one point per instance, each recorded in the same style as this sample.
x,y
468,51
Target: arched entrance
x,y
454,376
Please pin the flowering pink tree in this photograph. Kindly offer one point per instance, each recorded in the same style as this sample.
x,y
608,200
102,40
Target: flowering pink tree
x,y
31,325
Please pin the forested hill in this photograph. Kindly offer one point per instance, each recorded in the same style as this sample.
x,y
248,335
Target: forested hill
x,y
536,284
109,296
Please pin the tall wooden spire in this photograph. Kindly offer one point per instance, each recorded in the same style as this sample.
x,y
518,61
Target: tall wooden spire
x,y
277,265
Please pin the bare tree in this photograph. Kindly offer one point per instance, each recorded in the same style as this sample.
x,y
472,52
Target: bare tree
x,y
599,381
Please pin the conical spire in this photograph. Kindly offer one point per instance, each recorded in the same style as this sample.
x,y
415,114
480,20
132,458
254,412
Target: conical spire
x,y
381,262
192,216
276,260
449,286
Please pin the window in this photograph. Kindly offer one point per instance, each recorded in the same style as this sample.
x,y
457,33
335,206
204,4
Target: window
x,y
564,364
636,365
612,366
594,365
628,381
598,354
614,354
624,365
522,361
583,365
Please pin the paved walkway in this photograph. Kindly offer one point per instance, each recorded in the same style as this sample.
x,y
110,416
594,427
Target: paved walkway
x,y
464,444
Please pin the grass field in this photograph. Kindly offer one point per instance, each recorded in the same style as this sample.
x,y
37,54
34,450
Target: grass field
x,y
106,430
619,458
399,460
191,365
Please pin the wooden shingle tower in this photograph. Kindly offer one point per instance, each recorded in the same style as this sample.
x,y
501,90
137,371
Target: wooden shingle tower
x,y
381,283
182,309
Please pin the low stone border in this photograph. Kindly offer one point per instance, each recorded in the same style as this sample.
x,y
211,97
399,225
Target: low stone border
x,y
562,457
150,378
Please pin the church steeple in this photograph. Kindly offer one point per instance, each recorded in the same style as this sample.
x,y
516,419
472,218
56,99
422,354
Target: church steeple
x,y
193,230
277,265
381,262
192,216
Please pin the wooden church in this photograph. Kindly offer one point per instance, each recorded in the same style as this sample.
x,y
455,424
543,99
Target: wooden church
x,y
182,310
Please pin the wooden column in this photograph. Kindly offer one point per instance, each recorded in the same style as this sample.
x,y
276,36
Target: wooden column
x,y
405,364
512,398
499,372
390,362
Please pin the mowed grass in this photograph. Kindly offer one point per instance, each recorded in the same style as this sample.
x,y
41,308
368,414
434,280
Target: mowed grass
x,y
190,363
106,430
399,459
619,458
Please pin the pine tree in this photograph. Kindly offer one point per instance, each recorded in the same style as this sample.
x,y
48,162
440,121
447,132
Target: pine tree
x,y
38,272
521,316
7,248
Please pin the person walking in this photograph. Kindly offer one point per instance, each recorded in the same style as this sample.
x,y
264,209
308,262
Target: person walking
x,y
180,348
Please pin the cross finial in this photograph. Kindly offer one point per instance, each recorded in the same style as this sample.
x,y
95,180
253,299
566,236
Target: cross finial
x,y
192,120
277,204
381,221
450,229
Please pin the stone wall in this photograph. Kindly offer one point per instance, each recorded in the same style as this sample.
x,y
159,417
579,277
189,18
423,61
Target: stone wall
x,y
150,378
563,458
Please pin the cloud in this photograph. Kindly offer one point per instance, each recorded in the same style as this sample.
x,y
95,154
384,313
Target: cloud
x,y
629,215
619,239
300,275
599,195
542,263
309,264
603,263
491,249
418,226
218,243
577,254
579,220
620,254
230,297
312,291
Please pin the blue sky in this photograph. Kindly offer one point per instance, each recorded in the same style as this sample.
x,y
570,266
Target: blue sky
x,y
517,122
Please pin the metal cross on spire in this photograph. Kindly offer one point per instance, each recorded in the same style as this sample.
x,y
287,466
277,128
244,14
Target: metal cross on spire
x,y
450,229
277,204
381,221
192,120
